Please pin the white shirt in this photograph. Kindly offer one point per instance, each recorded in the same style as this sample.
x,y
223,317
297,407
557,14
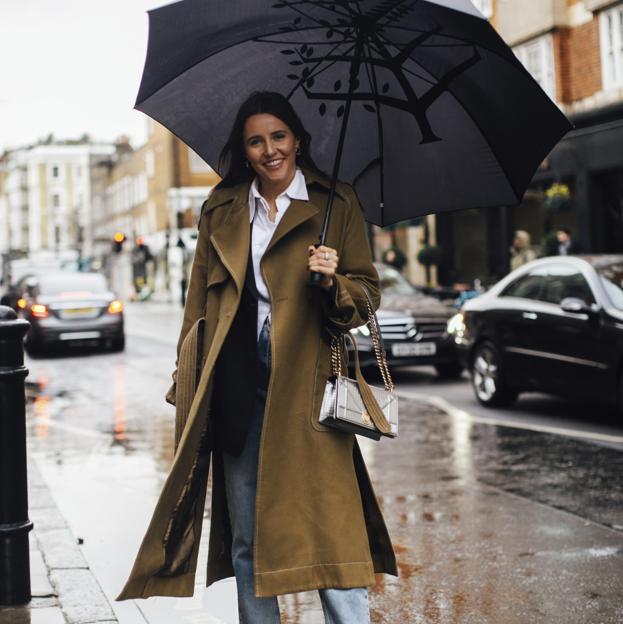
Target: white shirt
x,y
263,230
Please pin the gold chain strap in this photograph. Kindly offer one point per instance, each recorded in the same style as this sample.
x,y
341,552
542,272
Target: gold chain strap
x,y
381,359
336,360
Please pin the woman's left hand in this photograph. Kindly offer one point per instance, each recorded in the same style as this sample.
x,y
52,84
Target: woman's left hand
x,y
323,260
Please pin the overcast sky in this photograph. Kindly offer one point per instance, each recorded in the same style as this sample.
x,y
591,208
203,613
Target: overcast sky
x,y
69,67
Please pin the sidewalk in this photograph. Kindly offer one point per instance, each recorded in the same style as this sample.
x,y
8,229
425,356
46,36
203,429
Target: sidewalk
x,y
64,589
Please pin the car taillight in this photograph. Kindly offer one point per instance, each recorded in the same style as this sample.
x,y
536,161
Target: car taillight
x,y
21,303
115,307
39,310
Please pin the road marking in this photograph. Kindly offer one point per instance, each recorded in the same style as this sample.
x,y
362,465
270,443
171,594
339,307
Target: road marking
x,y
456,412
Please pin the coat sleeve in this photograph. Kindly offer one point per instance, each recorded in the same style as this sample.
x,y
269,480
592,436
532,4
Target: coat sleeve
x,y
345,303
196,293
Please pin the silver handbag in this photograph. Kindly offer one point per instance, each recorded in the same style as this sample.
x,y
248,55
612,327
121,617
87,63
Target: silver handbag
x,y
352,405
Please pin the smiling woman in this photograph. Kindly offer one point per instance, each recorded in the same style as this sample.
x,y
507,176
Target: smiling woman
x,y
255,412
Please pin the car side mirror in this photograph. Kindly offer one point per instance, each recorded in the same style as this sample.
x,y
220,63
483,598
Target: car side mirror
x,y
574,305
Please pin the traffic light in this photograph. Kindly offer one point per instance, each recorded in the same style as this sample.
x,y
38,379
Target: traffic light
x,y
118,240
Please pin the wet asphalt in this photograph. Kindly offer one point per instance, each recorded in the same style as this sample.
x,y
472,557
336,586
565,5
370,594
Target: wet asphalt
x,y
490,523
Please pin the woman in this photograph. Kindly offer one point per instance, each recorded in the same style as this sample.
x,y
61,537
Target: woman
x,y
292,505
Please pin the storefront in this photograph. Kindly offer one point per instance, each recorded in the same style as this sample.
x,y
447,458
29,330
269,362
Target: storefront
x,y
579,187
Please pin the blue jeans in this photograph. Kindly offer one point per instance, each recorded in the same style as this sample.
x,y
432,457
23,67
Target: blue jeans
x,y
340,606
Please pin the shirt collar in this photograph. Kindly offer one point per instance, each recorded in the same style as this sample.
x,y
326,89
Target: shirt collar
x,y
297,189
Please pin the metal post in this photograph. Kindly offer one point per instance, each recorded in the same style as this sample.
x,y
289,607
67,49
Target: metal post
x,y
14,522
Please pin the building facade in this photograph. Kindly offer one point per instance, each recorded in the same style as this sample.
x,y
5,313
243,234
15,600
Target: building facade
x,y
574,49
151,191
45,196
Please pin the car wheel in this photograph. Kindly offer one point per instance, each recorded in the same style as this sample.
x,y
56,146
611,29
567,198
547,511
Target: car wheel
x,y
487,373
449,370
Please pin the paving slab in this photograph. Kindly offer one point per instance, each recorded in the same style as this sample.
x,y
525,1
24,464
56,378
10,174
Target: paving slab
x,y
81,596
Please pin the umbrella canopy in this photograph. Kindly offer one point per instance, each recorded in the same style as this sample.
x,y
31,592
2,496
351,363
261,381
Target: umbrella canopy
x,y
441,114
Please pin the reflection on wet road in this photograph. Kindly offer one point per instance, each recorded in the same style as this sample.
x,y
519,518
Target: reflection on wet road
x,y
490,524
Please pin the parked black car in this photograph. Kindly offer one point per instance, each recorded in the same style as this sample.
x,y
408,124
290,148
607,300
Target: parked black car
x,y
413,326
554,325
70,308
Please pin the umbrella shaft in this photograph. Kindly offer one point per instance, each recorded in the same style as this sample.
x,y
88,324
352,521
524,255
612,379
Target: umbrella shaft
x,y
354,70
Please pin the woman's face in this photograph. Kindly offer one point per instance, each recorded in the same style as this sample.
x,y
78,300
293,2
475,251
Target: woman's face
x,y
270,147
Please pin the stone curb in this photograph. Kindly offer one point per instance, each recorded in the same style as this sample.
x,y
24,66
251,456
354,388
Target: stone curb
x,y
64,589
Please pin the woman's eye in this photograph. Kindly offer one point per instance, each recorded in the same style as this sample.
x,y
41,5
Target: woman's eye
x,y
280,136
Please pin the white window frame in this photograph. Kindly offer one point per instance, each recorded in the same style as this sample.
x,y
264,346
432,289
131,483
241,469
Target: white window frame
x,y
150,163
485,7
611,46
537,56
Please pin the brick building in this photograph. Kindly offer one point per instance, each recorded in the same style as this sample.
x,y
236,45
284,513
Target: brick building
x,y
574,49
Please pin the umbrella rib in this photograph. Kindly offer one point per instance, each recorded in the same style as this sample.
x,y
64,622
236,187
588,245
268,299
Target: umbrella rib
x,y
371,72
328,6
455,38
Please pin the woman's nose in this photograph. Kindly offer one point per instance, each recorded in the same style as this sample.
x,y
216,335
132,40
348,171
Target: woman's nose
x,y
270,148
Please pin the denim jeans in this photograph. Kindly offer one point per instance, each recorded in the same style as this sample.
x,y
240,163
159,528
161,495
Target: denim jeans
x,y
340,606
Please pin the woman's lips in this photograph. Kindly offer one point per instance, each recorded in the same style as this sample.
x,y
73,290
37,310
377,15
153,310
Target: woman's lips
x,y
276,166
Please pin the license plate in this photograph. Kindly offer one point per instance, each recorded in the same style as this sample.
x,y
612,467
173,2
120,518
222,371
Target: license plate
x,y
90,335
420,348
77,311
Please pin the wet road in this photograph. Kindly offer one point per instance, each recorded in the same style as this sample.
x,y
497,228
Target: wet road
x,y
491,523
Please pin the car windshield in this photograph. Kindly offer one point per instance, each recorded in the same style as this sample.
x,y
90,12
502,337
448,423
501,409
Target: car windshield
x,y
73,284
611,276
394,283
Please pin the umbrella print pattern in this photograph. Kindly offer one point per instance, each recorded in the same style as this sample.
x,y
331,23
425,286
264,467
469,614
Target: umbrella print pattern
x,y
422,104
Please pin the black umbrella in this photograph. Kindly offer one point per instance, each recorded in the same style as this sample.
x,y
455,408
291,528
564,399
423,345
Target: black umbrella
x,y
419,104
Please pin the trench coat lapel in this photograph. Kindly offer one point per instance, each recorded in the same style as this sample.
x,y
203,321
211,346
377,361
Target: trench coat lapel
x,y
298,212
231,240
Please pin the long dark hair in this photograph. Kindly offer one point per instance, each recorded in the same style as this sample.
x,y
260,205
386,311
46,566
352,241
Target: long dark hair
x,y
232,159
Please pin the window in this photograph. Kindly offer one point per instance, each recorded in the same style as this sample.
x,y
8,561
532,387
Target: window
x,y
563,281
611,26
611,276
526,287
485,7
537,56
150,163
56,200
55,171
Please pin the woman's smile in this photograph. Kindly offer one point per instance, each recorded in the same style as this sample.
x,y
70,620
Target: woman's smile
x,y
270,149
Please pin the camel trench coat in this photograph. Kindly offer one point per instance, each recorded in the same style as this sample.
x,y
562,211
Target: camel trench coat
x,y
318,523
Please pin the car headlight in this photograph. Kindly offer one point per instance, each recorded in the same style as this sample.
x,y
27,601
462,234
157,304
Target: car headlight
x,y
456,326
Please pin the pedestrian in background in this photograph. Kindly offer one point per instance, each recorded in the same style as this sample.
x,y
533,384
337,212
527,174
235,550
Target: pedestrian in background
x,y
395,258
292,507
521,250
566,245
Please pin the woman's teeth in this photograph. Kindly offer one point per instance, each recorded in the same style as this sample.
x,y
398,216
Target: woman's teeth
x,y
273,164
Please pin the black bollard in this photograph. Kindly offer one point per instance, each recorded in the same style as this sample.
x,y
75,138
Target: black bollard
x,y
14,522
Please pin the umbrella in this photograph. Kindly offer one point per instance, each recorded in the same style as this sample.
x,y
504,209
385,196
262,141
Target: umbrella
x,y
419,104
